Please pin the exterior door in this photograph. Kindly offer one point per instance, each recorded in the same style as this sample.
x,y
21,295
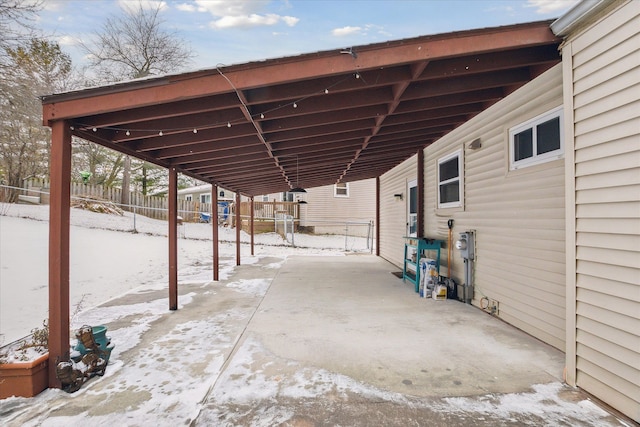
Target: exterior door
x,y
412,208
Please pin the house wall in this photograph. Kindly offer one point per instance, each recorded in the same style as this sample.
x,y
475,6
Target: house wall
x,y
518,216
328,214
393,212
602,84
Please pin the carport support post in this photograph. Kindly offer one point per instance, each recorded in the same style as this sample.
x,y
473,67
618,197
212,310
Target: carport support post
x,y
378,216
173,239
60,192
420,228
238,228
251,225
214,231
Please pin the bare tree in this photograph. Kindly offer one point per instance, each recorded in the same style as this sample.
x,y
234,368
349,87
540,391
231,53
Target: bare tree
x,y
16,18
136,46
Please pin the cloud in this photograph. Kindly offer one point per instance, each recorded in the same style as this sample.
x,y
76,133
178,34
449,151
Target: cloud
x,y
361,31
186,7
54,5
222,8
346,31
550,6
68,41
242,14
290,20
131,6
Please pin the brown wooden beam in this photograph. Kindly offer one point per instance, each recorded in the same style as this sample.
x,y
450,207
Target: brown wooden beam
x,y
214,228
251,224
277,71
420,213
173,238
377,216
238,228
59,213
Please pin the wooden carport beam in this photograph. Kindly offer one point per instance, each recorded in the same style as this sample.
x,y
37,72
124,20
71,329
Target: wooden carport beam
x,y
59,213
398,91
205,83
173,238
214,228
238,228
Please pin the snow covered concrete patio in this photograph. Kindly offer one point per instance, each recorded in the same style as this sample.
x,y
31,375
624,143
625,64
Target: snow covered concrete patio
x,y
311,340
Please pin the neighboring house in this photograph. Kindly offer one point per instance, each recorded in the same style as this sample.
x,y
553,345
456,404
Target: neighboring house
x,y
330,209
202,194
549,180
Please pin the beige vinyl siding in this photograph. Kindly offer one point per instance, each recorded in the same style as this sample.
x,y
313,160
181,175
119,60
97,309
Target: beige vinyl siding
x,y
603,79
393,212
518,215
327,213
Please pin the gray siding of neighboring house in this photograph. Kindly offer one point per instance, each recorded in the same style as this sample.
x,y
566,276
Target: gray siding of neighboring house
x,y
602,85
393,212
329,214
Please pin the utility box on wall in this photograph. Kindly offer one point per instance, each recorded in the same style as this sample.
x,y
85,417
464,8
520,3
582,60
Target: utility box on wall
x,y
466,245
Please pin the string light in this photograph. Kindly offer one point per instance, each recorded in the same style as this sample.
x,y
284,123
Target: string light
x,y
195,130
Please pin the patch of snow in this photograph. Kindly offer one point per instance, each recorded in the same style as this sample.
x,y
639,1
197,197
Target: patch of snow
x,y
108,260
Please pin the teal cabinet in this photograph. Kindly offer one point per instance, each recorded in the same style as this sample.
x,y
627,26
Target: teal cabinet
x,y
414,249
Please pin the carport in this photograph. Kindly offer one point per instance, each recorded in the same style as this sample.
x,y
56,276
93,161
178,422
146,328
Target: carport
x,y
303,121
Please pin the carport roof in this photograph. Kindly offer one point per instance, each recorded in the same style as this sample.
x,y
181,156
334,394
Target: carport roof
x,y
313,119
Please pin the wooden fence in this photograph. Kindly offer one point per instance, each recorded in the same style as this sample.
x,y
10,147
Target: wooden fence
x,y
156,206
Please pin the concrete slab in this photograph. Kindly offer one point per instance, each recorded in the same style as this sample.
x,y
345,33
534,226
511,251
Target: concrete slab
x,y
341,341
316,341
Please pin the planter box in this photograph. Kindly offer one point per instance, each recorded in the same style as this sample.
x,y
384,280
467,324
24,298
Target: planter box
x,y
25,379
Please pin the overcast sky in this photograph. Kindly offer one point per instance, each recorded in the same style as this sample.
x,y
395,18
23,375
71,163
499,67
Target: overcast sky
x,y
235,31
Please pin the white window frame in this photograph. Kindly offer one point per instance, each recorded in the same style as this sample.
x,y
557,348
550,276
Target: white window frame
x,y
205,198
345,188
536,159
460,178
188,197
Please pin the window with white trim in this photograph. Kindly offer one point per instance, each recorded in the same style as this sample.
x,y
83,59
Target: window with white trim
x,y
341,189
188,197
205,198
537,140
450,180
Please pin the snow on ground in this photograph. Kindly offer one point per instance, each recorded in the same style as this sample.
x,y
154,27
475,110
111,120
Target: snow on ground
x,y
108,259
